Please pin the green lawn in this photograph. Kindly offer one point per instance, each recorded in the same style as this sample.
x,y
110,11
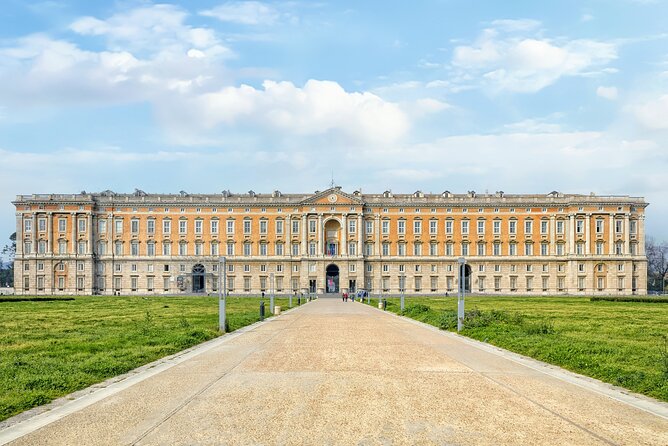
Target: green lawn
x,y
49,349
622,343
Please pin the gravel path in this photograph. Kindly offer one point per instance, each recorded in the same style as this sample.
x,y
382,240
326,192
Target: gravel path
x,y
344,373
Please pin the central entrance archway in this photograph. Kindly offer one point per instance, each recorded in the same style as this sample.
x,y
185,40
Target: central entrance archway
x,y
198,278
332,279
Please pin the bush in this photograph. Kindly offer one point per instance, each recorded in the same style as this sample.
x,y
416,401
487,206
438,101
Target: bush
x,y
654,300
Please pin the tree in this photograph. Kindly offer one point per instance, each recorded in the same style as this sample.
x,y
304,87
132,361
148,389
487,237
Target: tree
x,y
7,262
657,264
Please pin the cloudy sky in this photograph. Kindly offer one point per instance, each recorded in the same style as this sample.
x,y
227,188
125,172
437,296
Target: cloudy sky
x,y
202,96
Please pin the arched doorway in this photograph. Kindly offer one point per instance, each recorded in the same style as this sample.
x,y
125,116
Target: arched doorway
x,y
332,279
467,278
198,278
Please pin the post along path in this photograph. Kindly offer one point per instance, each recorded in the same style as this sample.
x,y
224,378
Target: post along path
x,y
345,373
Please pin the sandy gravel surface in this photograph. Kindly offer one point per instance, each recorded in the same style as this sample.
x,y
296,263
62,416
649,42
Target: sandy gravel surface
x,y
335,373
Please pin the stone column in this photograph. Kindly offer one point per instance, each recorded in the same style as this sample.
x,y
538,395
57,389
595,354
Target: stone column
x,y
627,237
587,233
320,236
73,217
553,223
110,234
19,239
89,223
640,230
344,235
34,233
571,234
49,232
376,245
360,239
611,236
304,235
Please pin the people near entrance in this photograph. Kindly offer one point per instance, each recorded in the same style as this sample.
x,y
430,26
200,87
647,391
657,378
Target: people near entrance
x,y
345,296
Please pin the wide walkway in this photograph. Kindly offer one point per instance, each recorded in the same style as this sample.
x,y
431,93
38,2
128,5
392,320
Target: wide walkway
x,y
344,373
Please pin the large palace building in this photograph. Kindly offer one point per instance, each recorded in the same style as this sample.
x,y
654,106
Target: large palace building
x,y
329,242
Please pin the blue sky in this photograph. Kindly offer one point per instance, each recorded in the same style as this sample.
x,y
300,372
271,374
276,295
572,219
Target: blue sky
x,y
203,96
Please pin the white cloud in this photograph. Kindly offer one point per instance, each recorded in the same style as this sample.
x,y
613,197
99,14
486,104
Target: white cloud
x,y
155,27
512,25
246,13
609,93
530,63
317,108
652,114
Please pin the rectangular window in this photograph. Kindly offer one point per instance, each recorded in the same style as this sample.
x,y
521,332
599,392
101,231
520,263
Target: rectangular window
x,y
497,227
417,249
81,248
543,226
481,227
352,248
465,226
599,248
311,248
434,284
198,226
579,226
62,248
118,226
295,249
183,226
465,249
529,283
247,226
27,225
183,249
417,227
433,249
134,226
386,227
247,249
560,226
279,249
619,226
352,226
512,227
150,226
448,226
497,283
433,226
449,250
401,249
311,226
599,226
82,225
230,226
166,249
230,249
401,226
481,249
528,226
386,249
560,249
150,249
198,249
263,226
295,226
62,224
496,249
543,249
633,226
512,249
279,227
166,227
369,227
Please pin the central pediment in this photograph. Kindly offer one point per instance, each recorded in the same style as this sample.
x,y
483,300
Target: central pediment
x,y
333,196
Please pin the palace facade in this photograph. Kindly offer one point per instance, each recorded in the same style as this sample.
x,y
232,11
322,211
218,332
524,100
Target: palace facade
x,y
328,242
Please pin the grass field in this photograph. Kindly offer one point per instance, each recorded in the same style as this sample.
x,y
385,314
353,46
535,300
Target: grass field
x,y
49,349
622,343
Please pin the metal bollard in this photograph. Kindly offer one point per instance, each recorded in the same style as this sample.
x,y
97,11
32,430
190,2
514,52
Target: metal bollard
x,y
261,310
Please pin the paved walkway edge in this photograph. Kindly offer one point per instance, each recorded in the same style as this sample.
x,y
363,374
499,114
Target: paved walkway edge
x,y
620,394
83,398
